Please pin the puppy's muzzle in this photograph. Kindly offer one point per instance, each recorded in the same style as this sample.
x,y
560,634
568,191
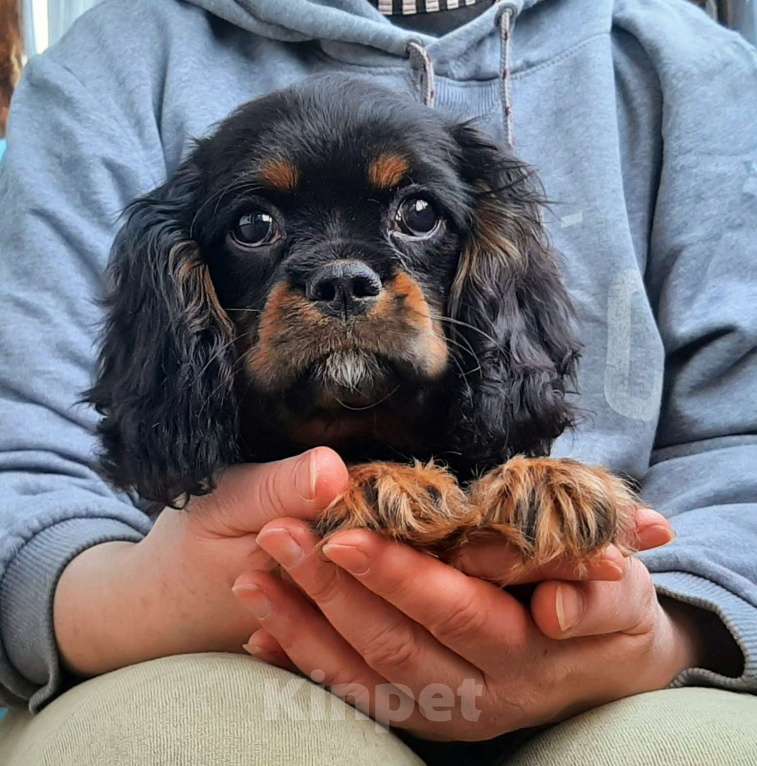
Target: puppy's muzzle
x,y
344,288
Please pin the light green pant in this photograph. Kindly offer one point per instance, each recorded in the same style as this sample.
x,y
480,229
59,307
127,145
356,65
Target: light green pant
x,y
202,710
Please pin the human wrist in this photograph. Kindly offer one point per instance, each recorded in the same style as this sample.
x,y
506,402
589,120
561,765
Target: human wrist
x,y
119,604
89,630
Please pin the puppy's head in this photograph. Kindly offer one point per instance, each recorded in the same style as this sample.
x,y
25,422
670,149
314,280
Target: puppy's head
x,y
335,265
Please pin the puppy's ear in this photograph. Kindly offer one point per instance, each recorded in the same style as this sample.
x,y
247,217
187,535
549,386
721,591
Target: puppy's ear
x,y
165,376
512,310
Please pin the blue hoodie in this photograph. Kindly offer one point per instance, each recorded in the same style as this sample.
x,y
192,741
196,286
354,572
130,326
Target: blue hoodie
x,y
640,116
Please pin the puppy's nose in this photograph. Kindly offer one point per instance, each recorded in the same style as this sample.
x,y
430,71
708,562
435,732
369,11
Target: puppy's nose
x,y
343,288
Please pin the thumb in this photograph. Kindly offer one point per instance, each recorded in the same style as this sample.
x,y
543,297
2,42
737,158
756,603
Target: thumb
x,y
250,495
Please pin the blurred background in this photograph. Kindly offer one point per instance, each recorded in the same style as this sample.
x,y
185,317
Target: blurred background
x,y
29,26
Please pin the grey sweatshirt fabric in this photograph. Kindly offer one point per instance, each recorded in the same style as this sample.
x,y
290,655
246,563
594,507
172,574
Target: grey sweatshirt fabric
x,y
640,116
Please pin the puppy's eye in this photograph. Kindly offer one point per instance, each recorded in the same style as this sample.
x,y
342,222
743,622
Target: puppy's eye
x,y
256,229
416,217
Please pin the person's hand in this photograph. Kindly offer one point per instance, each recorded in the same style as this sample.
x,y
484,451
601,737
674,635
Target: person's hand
x,y
588,597
420,645
119,603
500,562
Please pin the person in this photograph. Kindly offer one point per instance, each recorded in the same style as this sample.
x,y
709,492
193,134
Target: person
x,y
640,119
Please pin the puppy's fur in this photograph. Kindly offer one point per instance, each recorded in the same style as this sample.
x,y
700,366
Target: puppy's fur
x,y
339,265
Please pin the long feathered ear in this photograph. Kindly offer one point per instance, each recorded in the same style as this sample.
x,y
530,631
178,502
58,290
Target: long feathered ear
x,y
513,312
165,377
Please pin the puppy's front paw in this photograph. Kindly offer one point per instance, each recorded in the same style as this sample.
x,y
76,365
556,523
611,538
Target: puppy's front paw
x,y
551,508
419,504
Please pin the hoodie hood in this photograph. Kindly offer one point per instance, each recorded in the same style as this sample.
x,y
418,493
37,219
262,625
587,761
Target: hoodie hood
x,y
354,32
340,26
486,50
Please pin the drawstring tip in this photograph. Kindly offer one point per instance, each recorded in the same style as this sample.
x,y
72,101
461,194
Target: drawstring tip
x,y
506,22
421,62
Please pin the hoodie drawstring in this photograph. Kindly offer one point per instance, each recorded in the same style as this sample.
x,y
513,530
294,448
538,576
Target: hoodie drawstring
x,y
506,22
423,65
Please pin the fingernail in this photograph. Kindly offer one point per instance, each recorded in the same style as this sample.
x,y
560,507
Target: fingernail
x,y
655,535
279,544
569,605
646,517
609,565
348,557
253,647
252,650
609,570
306,475
254,599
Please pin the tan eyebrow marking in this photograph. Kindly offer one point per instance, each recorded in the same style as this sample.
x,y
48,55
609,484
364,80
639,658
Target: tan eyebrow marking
x,y
282,175
387,170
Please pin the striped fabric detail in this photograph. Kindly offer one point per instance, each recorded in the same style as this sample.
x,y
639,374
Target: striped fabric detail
x,y
411,7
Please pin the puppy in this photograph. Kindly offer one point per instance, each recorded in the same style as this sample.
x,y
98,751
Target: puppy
x,y
338,265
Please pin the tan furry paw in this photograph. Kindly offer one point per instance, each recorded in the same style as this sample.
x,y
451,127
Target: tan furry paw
x,y
554,508
419,504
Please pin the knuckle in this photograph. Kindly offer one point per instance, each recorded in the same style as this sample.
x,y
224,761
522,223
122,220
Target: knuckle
x,y
324,588
646,586
268,492
638,578
641,597
403,589
465,620
391,647
215,514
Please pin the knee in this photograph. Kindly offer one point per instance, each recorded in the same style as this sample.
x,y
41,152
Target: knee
x,y
203,709
691,725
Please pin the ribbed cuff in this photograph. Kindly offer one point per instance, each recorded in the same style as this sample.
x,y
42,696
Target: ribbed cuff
x,y
738,616
26,601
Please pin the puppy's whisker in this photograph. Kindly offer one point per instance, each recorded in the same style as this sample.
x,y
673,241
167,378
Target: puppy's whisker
x,y
234,367
452,341
462,339
438,317
464,373
454,357
462,343
220,351
401,258
461,323
369,406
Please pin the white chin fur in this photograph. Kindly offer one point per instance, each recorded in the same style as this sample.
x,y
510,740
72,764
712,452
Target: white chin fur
x,y
349,369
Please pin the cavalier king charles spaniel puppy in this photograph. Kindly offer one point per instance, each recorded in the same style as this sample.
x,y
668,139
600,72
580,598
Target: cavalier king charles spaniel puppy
x,y
339,265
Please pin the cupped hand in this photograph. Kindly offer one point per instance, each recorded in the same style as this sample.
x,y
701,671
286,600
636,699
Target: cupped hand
x,y
500,562
119,603
420,645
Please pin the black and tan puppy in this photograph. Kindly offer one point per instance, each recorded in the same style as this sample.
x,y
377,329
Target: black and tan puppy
x,y
339,265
